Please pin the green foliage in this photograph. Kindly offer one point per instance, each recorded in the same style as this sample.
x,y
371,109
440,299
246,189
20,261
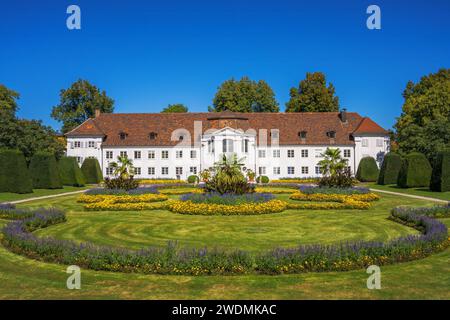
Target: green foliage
x,y
123,168
390,168
92,171
415,171
313,95
8,103
79,102
227,177
262,179
334,170
14,174
193,179
121,183
44,171
245,95
175,108
367,170
70,172
440,176
424,125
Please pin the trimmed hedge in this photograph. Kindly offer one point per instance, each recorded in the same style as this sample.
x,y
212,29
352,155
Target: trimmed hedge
x,y
415,171
193,179
440,176
70,173
390,169
44,171
262,179
14,174
91,171
367,170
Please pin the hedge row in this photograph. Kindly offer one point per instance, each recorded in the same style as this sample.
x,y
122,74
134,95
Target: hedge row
x,y
440,177
70,172
367,170
14,174
92,171
415,171
390,169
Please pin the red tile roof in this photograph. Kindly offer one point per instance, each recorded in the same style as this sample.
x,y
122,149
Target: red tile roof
x,y
139,126
368,126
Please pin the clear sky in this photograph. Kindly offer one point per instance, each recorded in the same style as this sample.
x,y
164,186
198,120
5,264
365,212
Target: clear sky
x,y
147,54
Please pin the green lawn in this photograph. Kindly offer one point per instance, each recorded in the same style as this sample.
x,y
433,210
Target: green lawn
x,y
424,192
7,196
25,278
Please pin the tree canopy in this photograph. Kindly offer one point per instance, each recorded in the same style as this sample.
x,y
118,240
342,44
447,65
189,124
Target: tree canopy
x,y
244,95
79,102
175,108
313,95
8,101
424,125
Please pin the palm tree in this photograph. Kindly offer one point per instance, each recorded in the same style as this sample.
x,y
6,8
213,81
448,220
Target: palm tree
x,y
124,168
231,165
332,163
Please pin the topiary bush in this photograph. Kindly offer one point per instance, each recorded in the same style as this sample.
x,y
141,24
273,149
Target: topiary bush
x,y
367,170
193,179
415,171
390,169
262,179
44,171
70,173
440,176
14,174
91,171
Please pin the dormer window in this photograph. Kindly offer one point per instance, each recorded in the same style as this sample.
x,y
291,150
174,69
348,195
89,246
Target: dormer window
x,y
331,134
152,135
302,134
181,138
123,135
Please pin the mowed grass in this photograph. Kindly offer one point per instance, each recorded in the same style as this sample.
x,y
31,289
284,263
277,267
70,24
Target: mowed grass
x,y
261,232
23,278
424,192
7,196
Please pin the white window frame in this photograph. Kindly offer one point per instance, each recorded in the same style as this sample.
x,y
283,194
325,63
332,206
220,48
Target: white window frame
x,y
109,155
290,169
151,154
276,170
179,171
151,171
305,170
165,154
137,155
164,171
276,153
291,153
179,154
193,154
365,143
261,153
304,153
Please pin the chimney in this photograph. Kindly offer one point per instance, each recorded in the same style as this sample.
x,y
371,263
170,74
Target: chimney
x,y
97,112
343,115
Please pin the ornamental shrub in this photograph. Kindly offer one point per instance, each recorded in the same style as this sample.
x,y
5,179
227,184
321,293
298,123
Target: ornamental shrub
x,y
70,172
14,174
44,171
367,170
262,179
440,176
91,171
390,169
193,179
415,171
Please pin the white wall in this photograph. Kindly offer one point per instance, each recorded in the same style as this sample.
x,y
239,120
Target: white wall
x,y
371,146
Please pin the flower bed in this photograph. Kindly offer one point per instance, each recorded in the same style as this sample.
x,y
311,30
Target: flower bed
x,y
180,191
190,207
150,197
172,259
137,191
227,198
333,190
343,201
296,180
160,181
125,206
275,190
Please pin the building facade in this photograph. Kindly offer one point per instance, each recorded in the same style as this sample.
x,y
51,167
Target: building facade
x,y
177,145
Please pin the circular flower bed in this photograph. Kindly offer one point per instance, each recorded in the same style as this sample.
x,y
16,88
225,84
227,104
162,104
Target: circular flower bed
x,y
343,201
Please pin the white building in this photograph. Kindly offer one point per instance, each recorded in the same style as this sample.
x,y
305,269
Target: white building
x,y
176,145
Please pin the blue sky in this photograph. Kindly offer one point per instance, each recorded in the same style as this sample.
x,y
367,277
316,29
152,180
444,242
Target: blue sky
x,y
147,54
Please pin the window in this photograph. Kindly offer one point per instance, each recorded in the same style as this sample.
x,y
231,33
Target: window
x,y
193,170
165,154
317,169
79,160
290,170
262,170
274,133
302,134
305,170
151,171
365,142
276,153
152,135
137,171
179,170
123,154
122,135
318,153
193,154
245,146
151,154
181,138
290,153
165,170
91,144
109,171
347,153
77,144
379,142
227,145
305,153
211,146
276,170
109,154
179,154
261,153
331,134
137,154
